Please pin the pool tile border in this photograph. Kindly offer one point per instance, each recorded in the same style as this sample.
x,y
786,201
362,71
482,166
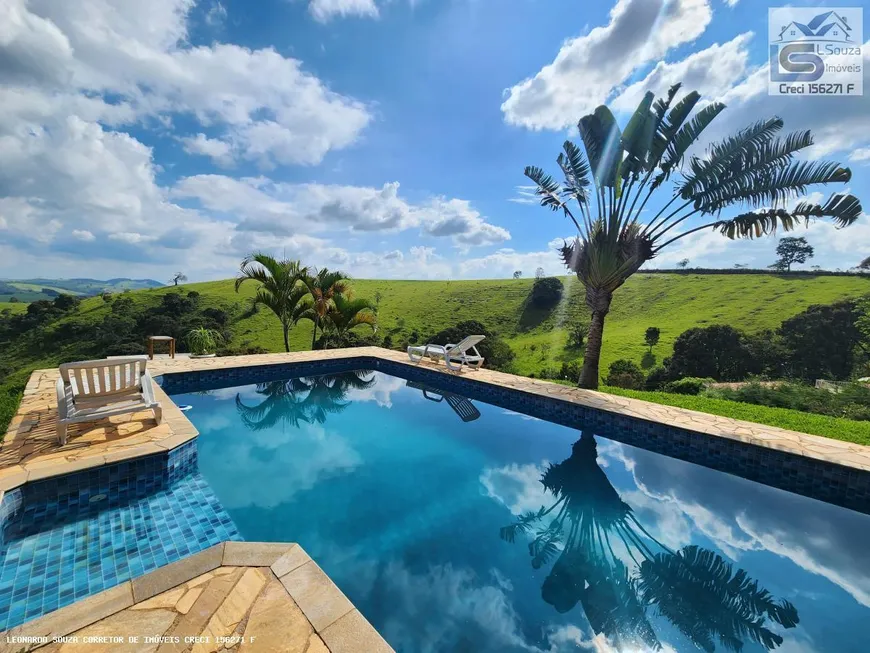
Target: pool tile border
x,y
335,620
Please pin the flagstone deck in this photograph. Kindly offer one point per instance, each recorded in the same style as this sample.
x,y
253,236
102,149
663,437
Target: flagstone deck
x,y
30,451
247,597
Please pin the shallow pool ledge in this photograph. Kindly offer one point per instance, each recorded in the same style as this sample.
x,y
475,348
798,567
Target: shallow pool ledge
x,y
264,596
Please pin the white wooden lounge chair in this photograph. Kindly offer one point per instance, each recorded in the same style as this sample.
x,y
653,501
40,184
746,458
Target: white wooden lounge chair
x,y
452,354
92,390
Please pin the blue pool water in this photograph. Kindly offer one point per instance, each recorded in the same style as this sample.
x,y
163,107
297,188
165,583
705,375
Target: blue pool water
x,y
461,526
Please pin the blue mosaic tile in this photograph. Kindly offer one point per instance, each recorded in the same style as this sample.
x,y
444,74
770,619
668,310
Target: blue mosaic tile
x,y
826,481
69,537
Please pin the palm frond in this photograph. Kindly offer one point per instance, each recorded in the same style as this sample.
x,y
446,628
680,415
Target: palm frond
x,y
843,209
547,188
637,138
576,171
774,187
603,142
684,138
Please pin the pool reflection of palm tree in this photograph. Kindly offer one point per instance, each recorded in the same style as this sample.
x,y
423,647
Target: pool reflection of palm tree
x,y
694,588
302,400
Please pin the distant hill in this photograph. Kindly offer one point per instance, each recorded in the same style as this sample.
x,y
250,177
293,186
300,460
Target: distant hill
x,y
31,290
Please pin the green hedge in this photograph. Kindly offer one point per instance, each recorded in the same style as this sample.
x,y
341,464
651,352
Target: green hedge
x,y
793,420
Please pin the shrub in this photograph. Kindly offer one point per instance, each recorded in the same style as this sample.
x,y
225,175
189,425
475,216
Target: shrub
x,y
577,335
851,402
571,371
719,352
657,378
203,341
690,385
388,341
546,292
625,374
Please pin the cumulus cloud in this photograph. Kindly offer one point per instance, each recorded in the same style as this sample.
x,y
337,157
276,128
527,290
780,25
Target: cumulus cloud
x,y
219,151
282,209
712,72
588,68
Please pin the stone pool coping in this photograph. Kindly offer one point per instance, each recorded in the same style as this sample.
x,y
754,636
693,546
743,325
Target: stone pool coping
x,y
273,592
30,453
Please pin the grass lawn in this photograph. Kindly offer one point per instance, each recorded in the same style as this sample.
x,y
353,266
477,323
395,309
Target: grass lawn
x,y
15,307
793,420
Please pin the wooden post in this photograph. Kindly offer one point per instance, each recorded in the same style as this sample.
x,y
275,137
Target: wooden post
x,y
150,349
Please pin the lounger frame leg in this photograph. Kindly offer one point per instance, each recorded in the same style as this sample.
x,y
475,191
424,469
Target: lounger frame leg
x,y
61,433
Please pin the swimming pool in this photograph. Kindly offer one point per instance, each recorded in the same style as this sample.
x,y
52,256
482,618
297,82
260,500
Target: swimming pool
x,y
458,525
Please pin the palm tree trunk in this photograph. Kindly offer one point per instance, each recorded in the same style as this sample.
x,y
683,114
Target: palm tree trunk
x,y
286,337
314,334
599,302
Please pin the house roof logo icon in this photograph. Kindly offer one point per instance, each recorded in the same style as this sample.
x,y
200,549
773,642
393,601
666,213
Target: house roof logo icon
x,y
828,26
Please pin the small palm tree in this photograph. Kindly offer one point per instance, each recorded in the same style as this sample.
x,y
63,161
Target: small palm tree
x,y
348,313
611,183
322,287
281,287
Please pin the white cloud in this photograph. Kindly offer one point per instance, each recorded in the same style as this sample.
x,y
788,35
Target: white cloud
x,y
218,150
216,15
589,68
712,72
861,154
282,209
83,234
525,195
325,10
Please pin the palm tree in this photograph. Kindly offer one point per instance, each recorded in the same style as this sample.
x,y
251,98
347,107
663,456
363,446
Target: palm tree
x,y
694,588
281,288
303,400
620,170
348,313
322,287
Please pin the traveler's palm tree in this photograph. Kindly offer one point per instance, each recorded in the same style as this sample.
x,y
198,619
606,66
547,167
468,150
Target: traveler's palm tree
x,y
322,287
281,288
695,589
348,313
606,189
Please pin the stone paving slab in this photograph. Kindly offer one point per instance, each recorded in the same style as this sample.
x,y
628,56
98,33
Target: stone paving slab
x,y
30,450
212,604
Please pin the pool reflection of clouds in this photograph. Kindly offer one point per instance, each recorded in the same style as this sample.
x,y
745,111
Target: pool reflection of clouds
x,y
381,392
741,516
270,467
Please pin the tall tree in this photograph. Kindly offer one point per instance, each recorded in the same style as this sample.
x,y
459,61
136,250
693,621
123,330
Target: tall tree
x,y
178,276
792,250
322,287
281,288
605,192
651,337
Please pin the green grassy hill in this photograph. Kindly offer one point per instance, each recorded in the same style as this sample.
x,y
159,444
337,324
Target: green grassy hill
x,y
673,303
417,309
31,290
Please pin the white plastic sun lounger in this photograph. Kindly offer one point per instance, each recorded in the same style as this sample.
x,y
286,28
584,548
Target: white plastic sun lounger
x,y
452,354
93,390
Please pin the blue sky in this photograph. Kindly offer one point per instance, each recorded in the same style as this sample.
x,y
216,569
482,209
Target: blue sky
x,y
383,137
